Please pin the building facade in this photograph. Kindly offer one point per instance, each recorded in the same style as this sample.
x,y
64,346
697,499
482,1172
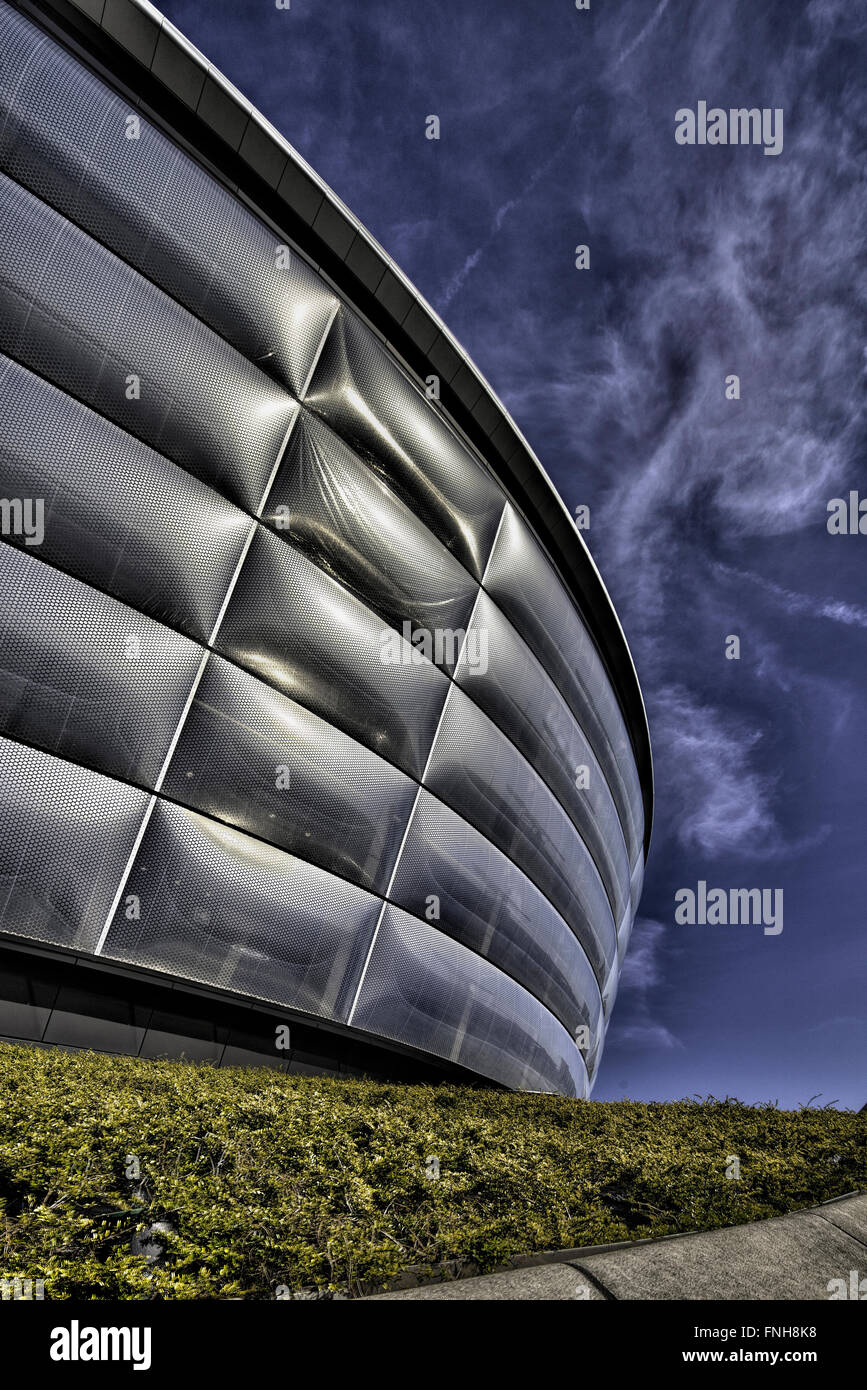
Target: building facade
x,y
320,742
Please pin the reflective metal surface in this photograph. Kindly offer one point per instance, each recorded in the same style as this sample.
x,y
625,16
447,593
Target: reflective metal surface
x,y
421,987
214,905
293,703
116,514
363,394
522,583
256,759
328,502
88,323
66,834
299,630
68,138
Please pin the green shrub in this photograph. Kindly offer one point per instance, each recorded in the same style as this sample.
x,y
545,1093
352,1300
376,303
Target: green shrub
x,y
270,1180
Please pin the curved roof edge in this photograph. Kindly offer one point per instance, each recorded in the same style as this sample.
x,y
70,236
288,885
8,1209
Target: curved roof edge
x,y
168,79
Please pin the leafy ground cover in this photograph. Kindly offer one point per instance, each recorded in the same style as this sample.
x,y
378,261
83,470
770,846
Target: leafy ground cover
x,y
271,1184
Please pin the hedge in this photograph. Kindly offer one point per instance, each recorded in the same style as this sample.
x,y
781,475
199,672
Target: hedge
x,y
272,1185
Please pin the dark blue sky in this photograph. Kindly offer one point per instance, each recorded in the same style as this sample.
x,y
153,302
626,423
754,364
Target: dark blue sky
x,y
708,516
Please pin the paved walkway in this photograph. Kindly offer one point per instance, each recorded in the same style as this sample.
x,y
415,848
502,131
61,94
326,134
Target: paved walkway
x,y
789,1257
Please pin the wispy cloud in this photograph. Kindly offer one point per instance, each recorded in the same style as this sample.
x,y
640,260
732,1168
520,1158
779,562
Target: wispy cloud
x,y
799,604
643,972
721,802
642,35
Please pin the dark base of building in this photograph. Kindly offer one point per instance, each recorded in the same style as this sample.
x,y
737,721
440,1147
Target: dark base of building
x,y
50,997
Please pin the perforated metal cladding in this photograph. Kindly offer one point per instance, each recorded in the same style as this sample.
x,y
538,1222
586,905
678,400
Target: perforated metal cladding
x,y
65,138
329,503
216,906
174,332
514,690
302,632
526,588
86,677
255,758
481,775
74,313
422,988
117,515
359,389
65,836
488,904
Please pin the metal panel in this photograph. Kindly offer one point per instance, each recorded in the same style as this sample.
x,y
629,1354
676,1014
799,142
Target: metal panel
x,y
176,335
116,514
74,313
423,989
478,772
362,393
255,758
477,896
66,137
208,903
302,632
330,504
65,835
86,677
500,673
527,589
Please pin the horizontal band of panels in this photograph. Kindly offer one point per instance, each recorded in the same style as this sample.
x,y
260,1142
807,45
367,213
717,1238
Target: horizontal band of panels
x,y
477,771
89,679
450,874
209,903
205,902
421,987
147,363
86,677
624,931
77,145
636,883
116,513
499,672
523,585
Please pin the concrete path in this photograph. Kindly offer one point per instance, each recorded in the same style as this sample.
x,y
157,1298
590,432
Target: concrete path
x,y
788,1257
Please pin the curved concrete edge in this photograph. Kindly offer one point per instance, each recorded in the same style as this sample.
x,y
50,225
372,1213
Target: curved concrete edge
x,y
816,1254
